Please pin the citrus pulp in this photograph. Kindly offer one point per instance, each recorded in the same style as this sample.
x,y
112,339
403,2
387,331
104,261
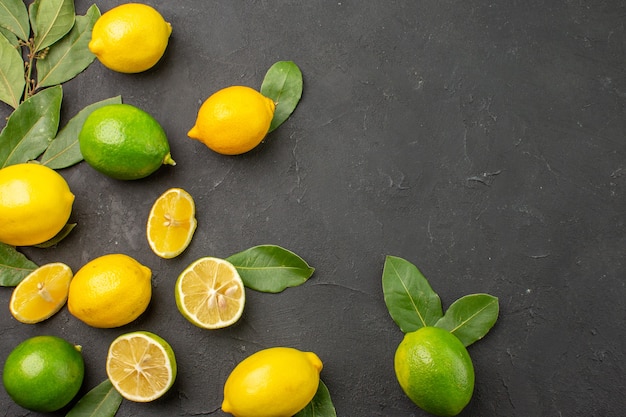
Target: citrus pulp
x,y
171,223
41,294
141,366
210,293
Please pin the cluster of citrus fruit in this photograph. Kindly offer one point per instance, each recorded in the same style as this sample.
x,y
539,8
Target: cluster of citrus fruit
x,y
44,373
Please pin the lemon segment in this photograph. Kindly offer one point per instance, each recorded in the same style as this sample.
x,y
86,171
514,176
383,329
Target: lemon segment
x,y
41,294
141,366
273,382
210,293
233,120
171,223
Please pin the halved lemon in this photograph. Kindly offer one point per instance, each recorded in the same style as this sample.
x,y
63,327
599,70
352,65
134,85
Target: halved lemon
x,y
41,294
171,223
141,366
210,293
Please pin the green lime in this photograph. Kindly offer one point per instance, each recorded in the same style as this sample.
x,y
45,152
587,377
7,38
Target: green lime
x,y
435,371
124,142
43,373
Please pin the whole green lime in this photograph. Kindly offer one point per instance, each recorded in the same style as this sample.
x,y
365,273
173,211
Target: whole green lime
x,y
43,373
435,371
124,142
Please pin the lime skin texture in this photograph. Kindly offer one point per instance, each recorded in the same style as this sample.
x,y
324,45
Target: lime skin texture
x,y
43,373
124,142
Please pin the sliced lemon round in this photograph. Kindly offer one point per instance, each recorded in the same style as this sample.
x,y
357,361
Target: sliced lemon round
x,y
141,366
41,294
210,293
171,223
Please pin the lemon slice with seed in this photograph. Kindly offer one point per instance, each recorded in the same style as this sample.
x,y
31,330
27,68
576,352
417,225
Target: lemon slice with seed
x,y
41,294
141,366
171,223
210,293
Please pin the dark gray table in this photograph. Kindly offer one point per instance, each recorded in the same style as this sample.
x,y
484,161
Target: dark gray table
x,y
484,141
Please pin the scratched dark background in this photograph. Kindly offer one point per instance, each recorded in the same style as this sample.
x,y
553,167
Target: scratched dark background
x,y
484,141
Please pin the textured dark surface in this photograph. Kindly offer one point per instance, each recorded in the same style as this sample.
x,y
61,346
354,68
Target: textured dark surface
x,y
484,141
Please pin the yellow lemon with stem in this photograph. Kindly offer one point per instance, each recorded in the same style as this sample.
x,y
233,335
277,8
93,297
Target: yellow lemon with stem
x,y
234,120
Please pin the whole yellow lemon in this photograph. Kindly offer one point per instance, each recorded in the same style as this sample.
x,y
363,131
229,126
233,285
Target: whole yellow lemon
x,y
273,382
130,38
233,120
35,204
110,291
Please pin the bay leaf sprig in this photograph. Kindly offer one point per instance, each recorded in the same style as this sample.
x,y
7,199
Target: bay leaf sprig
x,y
43,45
413,304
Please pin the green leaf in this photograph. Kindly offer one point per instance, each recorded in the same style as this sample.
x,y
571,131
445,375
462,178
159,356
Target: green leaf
x,y
14,266
12,80
270,268
51,20
14,17
64,150
101,401
31,127
69,56
470,317
320,406
10,36
283,84
58,237
411,301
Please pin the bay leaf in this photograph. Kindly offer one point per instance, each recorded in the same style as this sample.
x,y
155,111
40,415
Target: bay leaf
x,y
102,401
470,317
283,84
69,56
14,17
14,266
12,80
31,127
320,406
64,150
50,21
270,268
10,36
411,301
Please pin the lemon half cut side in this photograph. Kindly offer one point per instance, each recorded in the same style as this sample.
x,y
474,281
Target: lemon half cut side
x,y
141,366
41,294
210,293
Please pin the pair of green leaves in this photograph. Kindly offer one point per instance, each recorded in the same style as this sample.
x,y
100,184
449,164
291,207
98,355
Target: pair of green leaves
x,y
58,47
413,304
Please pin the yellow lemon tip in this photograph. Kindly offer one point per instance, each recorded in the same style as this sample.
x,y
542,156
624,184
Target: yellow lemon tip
x,y
194,133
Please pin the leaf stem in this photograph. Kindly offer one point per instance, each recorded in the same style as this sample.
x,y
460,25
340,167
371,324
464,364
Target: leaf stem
x,y
28,70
